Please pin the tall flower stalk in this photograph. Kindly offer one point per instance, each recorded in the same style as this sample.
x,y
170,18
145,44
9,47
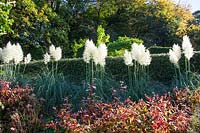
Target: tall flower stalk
x,y
174,57
56,55
27,60
188,53
88,57
11,56
128,61
49,79
137,71
94,57
99,60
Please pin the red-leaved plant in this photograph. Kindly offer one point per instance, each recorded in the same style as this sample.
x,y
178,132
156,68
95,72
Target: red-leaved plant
x,y
167,113
19,110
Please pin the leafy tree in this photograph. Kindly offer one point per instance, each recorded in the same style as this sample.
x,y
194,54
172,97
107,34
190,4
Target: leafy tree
x,y
194,33
82,26
158,22
37,26
197,17
194,30
5,21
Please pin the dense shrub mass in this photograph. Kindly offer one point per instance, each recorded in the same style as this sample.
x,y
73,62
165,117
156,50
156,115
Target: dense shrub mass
x,y
19,109
115,66
166,113
172,112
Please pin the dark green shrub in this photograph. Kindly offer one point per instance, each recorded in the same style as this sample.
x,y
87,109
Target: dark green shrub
x,y
161,71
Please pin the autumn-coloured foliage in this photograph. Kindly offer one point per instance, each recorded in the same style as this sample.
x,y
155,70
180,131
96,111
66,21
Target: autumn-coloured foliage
x,y
195,102
167,113
195,97
172,112
19,110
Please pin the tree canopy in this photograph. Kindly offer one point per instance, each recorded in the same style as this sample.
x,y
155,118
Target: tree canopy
x,y
36,24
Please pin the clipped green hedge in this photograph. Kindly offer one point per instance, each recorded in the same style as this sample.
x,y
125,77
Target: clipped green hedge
x,y
160,69
159,49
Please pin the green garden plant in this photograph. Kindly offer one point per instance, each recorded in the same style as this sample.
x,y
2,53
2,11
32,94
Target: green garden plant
x,y
95,62
48,83
77,46
184,77
137,71
102,37
53,86
117,48
12,56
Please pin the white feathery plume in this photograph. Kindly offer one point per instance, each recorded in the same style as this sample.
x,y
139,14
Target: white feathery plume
x,y
17,53
27,59
55,52
100,55
128,58
58,54
189,53
134,51
47,58
175,55
12,53
7,53
186,42
103,52
96,57
89,51
103,49
52,50
145,58
187,47
140,54
137,50
177,49
173,58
